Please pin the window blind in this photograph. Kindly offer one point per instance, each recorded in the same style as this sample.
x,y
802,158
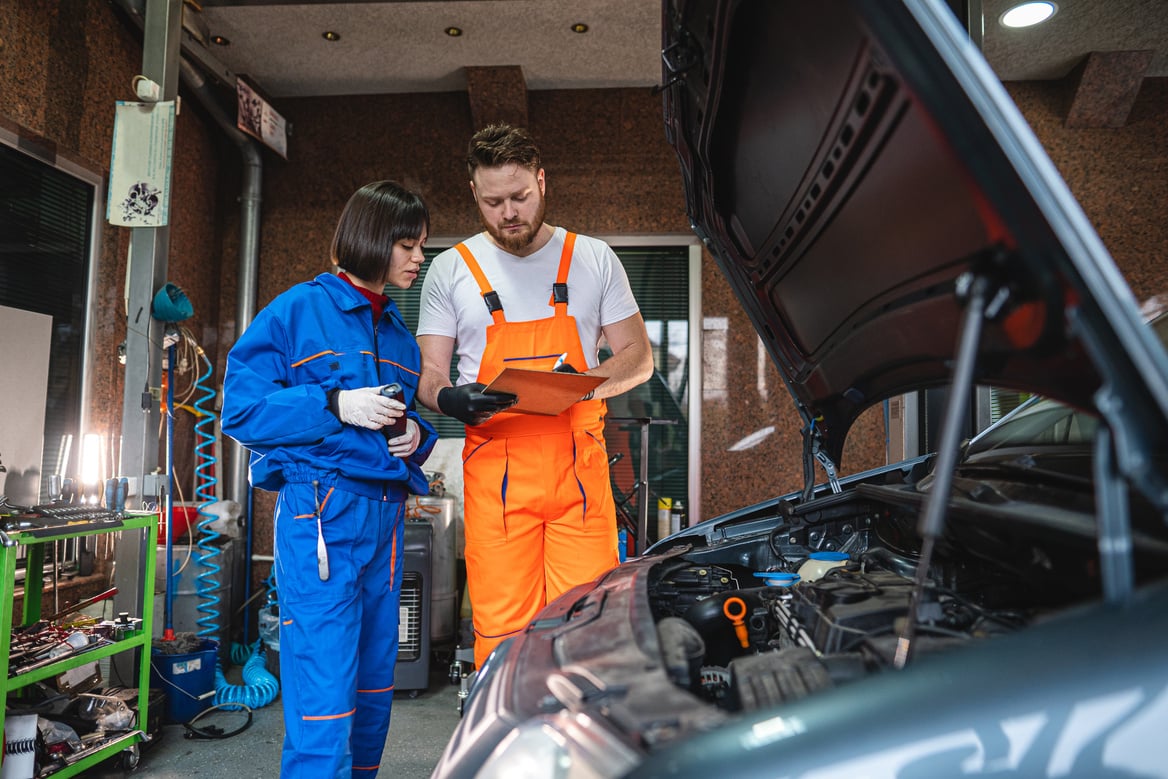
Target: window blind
x,y
44,247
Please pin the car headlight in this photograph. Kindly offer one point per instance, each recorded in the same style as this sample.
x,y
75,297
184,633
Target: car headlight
x,y
560,746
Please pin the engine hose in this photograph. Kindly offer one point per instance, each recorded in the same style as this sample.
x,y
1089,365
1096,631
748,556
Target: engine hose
x,y
259,687
207,586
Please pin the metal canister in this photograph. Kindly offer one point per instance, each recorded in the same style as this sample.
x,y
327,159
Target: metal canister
x,y
439,512
664,506
677,516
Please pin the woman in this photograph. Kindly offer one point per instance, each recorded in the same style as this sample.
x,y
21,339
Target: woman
x,y
302,392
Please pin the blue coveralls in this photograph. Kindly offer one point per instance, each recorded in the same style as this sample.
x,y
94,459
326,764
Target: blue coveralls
x,y
338,637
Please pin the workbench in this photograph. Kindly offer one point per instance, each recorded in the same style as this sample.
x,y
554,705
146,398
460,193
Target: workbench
x,y
145,525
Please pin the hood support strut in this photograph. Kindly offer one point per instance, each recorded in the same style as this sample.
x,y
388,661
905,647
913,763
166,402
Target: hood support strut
x,y
984,300
813,453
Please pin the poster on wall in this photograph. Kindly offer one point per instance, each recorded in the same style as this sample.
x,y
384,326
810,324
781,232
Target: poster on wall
x,y
257,118
140,164
24,385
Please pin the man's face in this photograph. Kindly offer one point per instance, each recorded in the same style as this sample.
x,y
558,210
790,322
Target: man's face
x,y
511,204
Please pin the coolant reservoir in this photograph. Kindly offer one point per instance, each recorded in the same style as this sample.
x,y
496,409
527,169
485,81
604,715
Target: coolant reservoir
x,y
819,563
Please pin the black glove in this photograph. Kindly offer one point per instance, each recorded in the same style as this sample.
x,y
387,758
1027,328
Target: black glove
x,y
565,368
470,405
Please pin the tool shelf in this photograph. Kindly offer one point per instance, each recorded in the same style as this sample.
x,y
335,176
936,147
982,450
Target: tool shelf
x,y
146,525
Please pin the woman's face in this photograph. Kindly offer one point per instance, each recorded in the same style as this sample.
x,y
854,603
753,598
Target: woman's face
x,y
405,261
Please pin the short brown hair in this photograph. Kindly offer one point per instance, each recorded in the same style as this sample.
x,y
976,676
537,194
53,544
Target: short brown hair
x,y
502,144
377,216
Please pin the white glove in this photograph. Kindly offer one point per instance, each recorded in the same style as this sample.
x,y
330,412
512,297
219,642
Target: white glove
x,y
363,407
405,444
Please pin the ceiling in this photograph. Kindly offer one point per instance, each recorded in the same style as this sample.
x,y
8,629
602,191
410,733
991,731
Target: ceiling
x,y
402,45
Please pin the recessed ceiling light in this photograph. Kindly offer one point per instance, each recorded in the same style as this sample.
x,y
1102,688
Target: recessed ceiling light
x,y
580,27
331,36
1028,14
453,32
219,40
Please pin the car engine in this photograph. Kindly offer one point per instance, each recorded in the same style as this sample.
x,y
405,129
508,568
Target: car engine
x,y
742,644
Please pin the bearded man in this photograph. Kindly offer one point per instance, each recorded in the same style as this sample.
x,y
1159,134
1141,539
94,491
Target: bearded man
x,y
538,511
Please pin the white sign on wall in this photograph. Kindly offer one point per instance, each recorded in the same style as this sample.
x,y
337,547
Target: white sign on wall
x,y
140,164
25,341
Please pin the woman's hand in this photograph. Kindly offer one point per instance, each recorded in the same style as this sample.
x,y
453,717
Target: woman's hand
x,y
405,444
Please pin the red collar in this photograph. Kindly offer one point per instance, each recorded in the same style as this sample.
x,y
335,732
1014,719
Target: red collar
x,y
377,301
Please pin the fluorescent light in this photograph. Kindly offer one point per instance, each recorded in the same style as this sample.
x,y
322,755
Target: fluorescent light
x,y
1028,14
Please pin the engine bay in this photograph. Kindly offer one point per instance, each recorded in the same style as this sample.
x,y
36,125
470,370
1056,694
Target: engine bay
x,y
736,636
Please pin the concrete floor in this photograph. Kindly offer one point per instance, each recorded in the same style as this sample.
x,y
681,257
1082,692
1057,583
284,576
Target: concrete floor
x,y
420,728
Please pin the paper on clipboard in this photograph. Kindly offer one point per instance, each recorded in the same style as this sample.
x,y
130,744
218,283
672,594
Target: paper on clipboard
x,y
543,392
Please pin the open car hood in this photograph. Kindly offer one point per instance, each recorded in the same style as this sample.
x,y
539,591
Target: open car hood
x,y
850,166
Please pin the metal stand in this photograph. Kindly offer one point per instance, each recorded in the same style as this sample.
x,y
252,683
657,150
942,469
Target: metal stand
x,y
643,477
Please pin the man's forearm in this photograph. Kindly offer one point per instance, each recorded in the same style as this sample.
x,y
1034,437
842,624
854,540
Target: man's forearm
x,y
428,387
623,371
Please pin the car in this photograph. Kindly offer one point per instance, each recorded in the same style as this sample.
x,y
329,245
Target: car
x,y
997,607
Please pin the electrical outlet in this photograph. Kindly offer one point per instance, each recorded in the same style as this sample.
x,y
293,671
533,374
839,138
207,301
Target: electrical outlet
x,y
132,486
151,485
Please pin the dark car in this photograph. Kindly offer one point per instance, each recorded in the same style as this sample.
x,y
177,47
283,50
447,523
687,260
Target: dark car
x,y
996,608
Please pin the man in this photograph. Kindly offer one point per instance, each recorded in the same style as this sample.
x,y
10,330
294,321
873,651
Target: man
x,y
537,504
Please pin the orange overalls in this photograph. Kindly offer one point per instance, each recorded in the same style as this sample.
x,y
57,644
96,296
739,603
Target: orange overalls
x,y
537,504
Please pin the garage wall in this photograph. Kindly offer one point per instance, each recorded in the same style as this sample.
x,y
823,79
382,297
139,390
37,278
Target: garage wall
x,y
609,171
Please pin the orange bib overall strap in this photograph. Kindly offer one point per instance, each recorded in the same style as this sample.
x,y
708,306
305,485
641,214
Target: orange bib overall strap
x,y
538,507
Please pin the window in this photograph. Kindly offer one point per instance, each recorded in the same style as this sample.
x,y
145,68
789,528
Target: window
x,y
46,225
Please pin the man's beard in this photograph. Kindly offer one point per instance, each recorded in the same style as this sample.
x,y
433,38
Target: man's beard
x,y
516,242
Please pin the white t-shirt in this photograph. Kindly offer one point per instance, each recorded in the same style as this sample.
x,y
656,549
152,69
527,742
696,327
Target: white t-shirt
x,y
453,306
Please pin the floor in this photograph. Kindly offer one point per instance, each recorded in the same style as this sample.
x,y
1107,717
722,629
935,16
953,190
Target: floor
x,y
419,730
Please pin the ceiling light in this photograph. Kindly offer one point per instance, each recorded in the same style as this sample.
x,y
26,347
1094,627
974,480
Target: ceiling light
x,y
219,40
1028,14
453,32
580,27
330,36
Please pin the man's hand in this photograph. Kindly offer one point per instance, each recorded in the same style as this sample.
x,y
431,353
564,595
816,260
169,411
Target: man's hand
x,y
470,405
363,407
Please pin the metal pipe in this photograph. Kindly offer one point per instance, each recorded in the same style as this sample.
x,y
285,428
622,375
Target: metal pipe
x,y
250,199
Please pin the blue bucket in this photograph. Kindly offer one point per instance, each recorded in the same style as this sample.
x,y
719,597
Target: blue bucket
x,y
188,679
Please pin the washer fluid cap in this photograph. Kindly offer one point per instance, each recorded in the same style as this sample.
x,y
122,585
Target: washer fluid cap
x,y
834,556
777,578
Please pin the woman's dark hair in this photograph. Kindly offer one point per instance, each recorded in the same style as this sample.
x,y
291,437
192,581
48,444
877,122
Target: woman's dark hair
x,y
502,144
377,216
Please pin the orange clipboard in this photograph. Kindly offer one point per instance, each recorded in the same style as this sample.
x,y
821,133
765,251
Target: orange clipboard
x,y
543,392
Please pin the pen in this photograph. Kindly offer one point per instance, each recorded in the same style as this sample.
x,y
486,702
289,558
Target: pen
x,y
560,360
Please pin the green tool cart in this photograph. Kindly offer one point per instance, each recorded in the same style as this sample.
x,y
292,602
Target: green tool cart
x,y
146,526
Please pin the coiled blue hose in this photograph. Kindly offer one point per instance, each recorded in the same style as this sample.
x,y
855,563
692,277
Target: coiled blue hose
x,y
259,687
207,586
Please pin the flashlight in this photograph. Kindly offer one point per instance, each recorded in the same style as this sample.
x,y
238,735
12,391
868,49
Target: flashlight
x,y
399,425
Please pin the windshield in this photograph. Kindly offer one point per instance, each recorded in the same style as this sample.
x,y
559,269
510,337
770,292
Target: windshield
x,y
1038,422
1041,422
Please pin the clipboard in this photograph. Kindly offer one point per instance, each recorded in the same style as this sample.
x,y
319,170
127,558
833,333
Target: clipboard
x,y
543,392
